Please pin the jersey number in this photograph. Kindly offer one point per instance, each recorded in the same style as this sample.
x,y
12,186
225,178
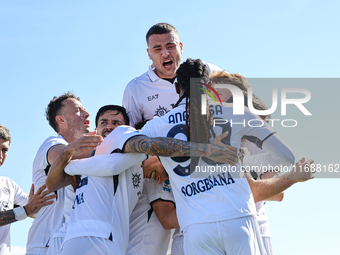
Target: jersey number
x,y
186,165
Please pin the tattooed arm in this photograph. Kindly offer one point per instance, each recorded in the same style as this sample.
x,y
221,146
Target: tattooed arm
x,y
170,147
35,202
7,217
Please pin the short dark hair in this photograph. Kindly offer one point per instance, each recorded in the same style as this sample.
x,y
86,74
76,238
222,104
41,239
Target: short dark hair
x,y
4,133
118,108
160,28
54,107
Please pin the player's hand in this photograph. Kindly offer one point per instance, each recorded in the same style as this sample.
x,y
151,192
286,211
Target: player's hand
x,y
303,171
86,143
38,200
221,152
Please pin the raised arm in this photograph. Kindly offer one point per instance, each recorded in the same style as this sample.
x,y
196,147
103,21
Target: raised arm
x,y
273,174
267,188
60,155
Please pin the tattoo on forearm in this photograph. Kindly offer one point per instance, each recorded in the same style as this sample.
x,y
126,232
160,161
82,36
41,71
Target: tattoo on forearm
x,y
162,146
7,217
153,146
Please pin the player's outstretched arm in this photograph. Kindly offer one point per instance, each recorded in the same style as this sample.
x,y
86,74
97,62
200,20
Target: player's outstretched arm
x,y
59,156
103,165
170,147
274,174
267,188
34,204
256,162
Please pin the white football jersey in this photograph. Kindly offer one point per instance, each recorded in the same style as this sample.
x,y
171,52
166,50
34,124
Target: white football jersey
x,y
49,218
147,235
204,197
10,195
103,205
68,203
148,95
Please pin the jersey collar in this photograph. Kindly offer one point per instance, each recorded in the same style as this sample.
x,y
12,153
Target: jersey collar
x,y
154,77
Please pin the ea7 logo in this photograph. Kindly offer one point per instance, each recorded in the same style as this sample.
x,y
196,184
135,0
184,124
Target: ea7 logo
x,y
150,98
238,100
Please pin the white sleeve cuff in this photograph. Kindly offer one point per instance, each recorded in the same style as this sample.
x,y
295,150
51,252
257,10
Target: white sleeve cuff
x,y
19,213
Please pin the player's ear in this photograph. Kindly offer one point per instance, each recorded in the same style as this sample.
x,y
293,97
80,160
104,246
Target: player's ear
x,y
181,46
60,119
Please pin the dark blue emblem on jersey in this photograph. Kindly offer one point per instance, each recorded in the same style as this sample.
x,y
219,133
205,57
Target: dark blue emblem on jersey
x,y
161,111
136,180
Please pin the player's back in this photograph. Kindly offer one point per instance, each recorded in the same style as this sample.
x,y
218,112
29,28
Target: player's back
x,y
210,193
206,197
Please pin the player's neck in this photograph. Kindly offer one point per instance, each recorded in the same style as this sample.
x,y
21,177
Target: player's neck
x,y
69,136
171,80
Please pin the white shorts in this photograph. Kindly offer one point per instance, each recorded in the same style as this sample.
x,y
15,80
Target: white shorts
x,y
55,245
37,251
177,245
267,242
89,245
233,237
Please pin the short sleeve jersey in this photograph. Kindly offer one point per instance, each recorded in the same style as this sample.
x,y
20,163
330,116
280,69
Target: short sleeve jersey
x,y
49,218
10,195
148,95
103,205
68,203
147,235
